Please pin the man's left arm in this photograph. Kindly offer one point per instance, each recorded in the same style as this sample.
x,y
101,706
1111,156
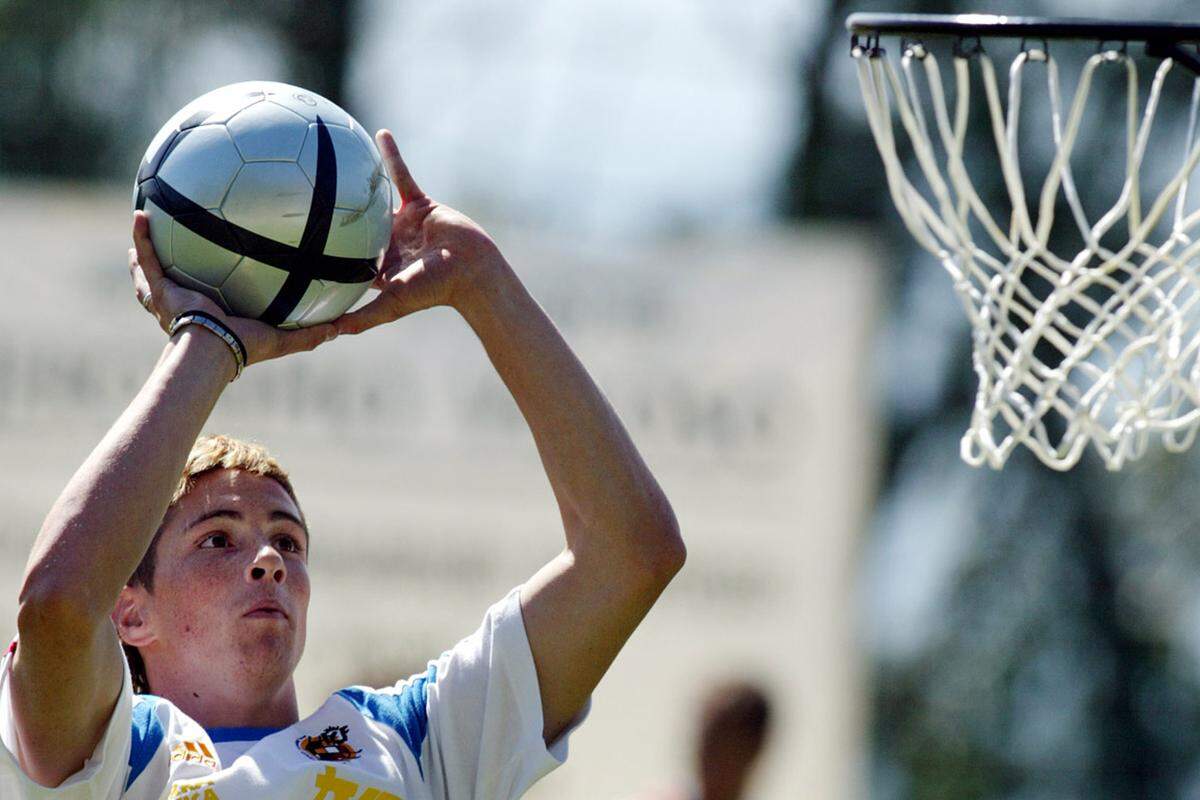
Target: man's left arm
x,y
622,540
623,544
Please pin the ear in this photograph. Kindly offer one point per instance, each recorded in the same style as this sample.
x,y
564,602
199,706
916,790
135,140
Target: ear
x,y
130,617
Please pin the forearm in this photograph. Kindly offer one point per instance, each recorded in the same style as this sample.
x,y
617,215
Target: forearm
x,y
102,523
623,543
609,499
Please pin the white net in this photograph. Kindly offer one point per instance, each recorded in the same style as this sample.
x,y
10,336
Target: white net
x,y
1100,344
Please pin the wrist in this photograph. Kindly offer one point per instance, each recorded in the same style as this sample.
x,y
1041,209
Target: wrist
x,y
204,352
218,328
489,284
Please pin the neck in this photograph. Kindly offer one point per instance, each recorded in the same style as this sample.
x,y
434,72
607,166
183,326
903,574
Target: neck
x,y
244,711
227,704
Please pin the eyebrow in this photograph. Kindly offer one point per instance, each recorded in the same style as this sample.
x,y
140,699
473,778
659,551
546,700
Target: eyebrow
x,y
229,513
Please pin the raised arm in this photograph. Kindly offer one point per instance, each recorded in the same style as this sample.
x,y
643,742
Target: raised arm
x,y
622,540
66,673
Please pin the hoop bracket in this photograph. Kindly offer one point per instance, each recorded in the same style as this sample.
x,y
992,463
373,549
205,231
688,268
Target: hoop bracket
x,y
968,46
993,25
1165,48
866,44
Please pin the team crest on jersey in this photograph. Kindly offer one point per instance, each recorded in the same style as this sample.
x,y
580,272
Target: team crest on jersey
x,y
329,745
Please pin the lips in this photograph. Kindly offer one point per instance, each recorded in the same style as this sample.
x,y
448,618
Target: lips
x,y
266,609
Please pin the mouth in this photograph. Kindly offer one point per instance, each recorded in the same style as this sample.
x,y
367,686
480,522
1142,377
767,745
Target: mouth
x,y
267,610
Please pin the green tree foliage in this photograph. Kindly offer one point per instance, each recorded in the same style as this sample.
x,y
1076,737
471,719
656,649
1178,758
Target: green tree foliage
x,y
77,76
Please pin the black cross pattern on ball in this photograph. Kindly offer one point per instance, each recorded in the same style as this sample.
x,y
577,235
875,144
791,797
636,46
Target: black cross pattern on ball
x,y
303,264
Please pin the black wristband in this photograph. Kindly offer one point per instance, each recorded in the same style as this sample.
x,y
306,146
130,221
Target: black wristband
x,y
218,327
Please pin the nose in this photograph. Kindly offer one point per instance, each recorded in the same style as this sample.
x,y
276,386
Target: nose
x,y
267,566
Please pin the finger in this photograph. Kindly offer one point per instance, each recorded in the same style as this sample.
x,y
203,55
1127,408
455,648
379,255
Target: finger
x,y
144,249
303,339
142,292
403,179
141,287
377,312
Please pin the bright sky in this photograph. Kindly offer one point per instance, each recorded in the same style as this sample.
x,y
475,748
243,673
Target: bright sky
x,y
592,118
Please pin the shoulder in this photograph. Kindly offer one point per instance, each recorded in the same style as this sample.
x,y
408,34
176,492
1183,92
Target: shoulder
x,y
149,723
162,735
453,685
404,708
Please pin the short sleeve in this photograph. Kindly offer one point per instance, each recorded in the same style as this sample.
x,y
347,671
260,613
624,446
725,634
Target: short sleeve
x,y
102,776
485,712
473,720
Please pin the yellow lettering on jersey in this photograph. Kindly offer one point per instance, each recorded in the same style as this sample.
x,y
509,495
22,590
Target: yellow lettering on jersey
x,y
371,793
331,787
193,791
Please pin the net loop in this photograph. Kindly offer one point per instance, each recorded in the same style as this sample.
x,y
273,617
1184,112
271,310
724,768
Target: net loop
x,y
913,48
1097,343
1035,53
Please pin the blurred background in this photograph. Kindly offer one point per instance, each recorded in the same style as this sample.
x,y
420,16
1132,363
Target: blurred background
x,y
691,190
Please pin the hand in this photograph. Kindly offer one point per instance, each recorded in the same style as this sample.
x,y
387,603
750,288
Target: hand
x,y
436,256
166,299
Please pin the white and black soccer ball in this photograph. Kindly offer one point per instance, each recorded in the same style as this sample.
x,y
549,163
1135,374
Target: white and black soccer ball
x,y
269,199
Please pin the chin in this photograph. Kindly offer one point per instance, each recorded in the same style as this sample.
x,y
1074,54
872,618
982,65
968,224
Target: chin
x,y
270,657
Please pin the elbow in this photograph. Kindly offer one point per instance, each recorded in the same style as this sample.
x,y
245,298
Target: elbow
x,y
675,554
643,550
666,552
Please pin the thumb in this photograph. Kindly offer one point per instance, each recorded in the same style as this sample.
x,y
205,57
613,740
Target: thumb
x,y
303,339
144,249
381,310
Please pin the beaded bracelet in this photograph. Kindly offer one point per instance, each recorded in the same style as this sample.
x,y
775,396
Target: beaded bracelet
x,y
211,323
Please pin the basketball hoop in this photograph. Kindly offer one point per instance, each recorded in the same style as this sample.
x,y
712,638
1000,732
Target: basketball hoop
x,y
1098,343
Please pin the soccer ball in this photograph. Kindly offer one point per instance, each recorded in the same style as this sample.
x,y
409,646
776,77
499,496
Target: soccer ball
x,y
269,199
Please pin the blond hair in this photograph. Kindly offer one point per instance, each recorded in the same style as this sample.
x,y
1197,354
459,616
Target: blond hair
x,y
208,453
225,452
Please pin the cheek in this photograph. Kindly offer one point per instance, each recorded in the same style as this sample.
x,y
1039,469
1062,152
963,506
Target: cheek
x,y
194,602
300,587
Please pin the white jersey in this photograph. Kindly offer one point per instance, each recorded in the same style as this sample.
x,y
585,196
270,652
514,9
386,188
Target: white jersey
x,y
469,727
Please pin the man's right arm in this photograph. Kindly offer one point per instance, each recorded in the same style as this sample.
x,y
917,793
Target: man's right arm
x,y
67,670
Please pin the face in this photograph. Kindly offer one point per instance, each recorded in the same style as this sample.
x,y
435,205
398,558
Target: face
x,y
231,582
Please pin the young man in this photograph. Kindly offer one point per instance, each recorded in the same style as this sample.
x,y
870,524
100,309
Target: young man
x,y
215,610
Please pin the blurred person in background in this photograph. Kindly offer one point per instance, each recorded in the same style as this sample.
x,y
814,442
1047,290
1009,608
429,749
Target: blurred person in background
x,y
214,615
732,730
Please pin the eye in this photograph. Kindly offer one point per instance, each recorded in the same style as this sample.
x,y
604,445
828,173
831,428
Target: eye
x,y
215,540
289,544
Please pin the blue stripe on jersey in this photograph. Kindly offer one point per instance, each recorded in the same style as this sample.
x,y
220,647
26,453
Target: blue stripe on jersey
x,y
240,734
147,736
404,712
